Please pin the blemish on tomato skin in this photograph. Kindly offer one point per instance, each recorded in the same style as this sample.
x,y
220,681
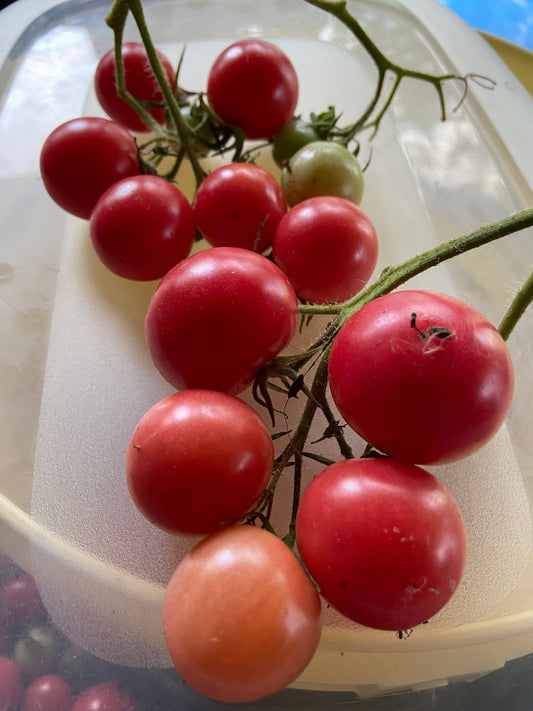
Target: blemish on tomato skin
x,y
433,337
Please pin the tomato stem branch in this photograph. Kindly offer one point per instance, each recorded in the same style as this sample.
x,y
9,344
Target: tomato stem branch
x,y
338,9
116,19
393,277
390,279
517,308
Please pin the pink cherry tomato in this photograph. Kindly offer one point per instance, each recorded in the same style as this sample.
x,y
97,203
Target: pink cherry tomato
x,y
384,541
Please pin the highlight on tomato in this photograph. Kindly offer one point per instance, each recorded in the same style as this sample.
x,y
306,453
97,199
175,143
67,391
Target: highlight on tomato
x,y
197,461
139,81
384,540
142,226
241,618
328,248
217,317
252,84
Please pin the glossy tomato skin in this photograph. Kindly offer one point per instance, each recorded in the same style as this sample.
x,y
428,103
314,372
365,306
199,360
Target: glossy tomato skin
x,y
241,618
139,80
428,389
81,158
328,248
142,226
239,205
198,460
11,685
252,84
217,317
322,168
384,541
104,696
47,693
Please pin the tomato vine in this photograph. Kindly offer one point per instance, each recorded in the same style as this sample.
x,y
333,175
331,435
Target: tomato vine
x,y
285,373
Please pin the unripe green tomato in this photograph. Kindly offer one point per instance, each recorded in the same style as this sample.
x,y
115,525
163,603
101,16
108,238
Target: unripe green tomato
x,y
36,651
322,168
293,136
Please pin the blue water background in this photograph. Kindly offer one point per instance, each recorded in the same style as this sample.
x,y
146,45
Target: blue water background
x,y
510,19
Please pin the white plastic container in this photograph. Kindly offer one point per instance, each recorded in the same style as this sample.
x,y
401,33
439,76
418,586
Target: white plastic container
x,y
75,375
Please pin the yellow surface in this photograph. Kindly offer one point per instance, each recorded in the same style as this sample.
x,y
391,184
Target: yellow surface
x,y
518,59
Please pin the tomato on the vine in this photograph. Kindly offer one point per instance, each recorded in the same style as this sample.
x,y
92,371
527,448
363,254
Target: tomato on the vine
x,y
241,618
47,693
384,540
328,248
83,157
197,461
142,226
422,376
139,81
252,84
239,205
322,168
217,317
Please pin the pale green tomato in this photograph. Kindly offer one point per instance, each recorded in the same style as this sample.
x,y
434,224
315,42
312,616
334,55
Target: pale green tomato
x,y
322,168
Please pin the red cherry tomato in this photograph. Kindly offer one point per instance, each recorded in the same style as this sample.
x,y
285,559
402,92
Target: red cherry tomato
x,y
253,84
239,205
81,158
327,247
20,601
47,693
217,317
142,226
11,685
241,618
198,460
384,541
422,376
105,696
139,80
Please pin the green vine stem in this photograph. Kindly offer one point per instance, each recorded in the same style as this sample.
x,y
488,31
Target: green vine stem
x,y
116,20
393,277
384,65
523,298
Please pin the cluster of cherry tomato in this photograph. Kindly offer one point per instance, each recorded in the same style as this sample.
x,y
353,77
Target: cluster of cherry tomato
x,y
422,377
39,668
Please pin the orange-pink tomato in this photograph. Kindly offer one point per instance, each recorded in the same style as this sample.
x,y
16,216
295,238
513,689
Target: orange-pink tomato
x,y
241,618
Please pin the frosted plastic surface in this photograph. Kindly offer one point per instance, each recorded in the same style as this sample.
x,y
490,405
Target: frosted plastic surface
x,y
101,567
